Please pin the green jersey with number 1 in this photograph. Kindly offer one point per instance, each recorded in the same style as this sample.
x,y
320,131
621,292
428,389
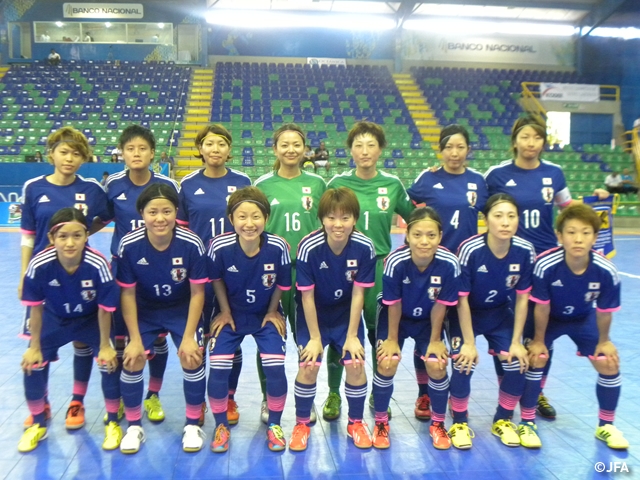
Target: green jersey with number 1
x,y
294,205
379,198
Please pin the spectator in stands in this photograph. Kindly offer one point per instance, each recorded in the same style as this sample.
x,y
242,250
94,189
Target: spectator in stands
x,y
105,175
38,157
45,37
88,37
613,183
628,183
308,158
321,158
114,158
53,58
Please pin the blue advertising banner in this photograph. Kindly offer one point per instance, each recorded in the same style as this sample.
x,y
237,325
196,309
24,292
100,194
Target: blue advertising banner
x,y
605,208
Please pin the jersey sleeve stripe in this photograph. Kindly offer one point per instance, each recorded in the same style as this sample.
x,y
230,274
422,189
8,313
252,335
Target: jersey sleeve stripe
x,y
537,300
308,243
522,292
190,237
106,308
305,287
27,232
394,259
31,303
448,304
126,285
391,302
468,247
43,257
364,285
446,255
283,288
607,310
606,265
545,263
198,281
27,184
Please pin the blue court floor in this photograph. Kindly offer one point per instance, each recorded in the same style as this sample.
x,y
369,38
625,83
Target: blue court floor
x,y
570,450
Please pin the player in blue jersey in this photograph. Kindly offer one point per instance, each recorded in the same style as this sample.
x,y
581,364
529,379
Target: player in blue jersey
x,y
496,273
138,146
203,204
575,290
456,192
249,268
293,195
421,279
71,293
162,269
335,266
42,196
537,186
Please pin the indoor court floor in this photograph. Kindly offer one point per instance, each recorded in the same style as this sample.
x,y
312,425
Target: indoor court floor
x,y
570,450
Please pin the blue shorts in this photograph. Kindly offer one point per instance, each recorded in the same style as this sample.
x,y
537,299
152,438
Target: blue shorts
x,y
173,320
269,341
583,332
333,333
58,331
419,330
495,324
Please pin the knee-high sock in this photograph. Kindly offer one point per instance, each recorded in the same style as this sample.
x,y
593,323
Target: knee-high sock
x,y
194,385
157,367
382,391
422,377
111,392
529,399
371,335
497,364
459,390
34,390
608,392
334,370
132,389
545,370
356,396
304,395
234,377
273,366
82,364
261,376
218,386
438,393
511,390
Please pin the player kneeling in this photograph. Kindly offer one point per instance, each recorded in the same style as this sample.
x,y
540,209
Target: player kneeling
x,y
71,293
575,290
335,265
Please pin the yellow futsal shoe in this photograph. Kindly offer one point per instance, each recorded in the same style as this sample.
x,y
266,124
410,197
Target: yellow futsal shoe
x,y
612,437
31,437
154,410
112,436
461,436
528,435
507,431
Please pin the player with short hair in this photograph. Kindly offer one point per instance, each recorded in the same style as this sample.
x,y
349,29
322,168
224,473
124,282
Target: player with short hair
x,y
162,269
458,194
250,268
42,197
203,204
138,145
575,290
380,195
335,266
71,293
421,279
496,273
293,195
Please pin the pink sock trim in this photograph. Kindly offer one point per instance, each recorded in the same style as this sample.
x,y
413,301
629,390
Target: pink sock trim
x,y
194,411
155,384
218,405
112,404
79,388
133,414
36,407
459,404
276,404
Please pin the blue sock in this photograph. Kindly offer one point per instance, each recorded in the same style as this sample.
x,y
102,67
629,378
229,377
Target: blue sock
x,y
234,377
132,389
304,395
194,384
82,364
608,392
111,392
218,387
511,390
422,376
497,364
382,391
438,393
529,399
34,389
157,366
356,396
276,386
459,390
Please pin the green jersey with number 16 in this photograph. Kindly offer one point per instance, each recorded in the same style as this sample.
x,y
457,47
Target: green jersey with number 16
x,y
294,205
380,197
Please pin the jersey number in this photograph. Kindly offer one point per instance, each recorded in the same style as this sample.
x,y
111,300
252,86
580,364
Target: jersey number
x,y
455,220
164,290
136,224
213,226
338,293
251,296
77,309
366,220
568,310
531,218
417,311
492,293
293,221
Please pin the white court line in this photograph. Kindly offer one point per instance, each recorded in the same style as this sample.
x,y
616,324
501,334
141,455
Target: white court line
x,y
630,275
626,239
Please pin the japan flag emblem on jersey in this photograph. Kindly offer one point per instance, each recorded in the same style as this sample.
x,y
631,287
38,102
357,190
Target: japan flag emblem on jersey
x,y
87,283
383,203
436,280
178,274
382,191
547,194
80,197
472,197
306,190
269,267
176,261
231,188
352,263
307,202
88,295
514,267
269,279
